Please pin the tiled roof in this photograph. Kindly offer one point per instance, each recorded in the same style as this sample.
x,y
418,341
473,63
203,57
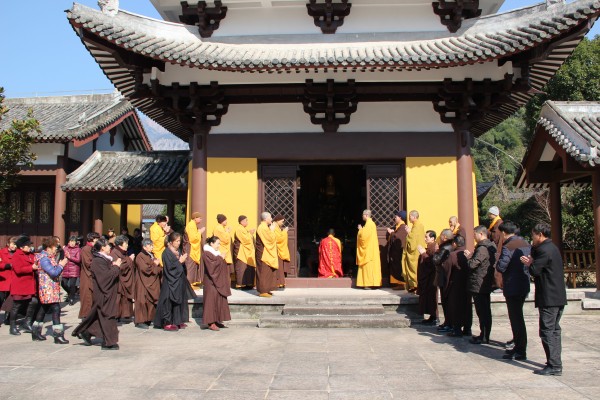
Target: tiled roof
x,y
131,171
483,188
150,211
479,40
575,127
67,118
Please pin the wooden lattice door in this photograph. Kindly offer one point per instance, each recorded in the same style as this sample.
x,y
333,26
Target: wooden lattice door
x,y
278,196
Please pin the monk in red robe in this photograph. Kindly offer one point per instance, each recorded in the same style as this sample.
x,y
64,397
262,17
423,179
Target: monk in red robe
x,y
330,257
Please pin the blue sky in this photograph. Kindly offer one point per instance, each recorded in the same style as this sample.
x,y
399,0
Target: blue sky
x,y
41,55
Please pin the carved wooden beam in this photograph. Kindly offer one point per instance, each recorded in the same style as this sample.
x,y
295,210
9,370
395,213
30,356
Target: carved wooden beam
x,y
328,15
461,103
452,13
330,104
206,18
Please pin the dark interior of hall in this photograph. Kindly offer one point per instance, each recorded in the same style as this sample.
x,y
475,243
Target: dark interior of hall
x,y
329,196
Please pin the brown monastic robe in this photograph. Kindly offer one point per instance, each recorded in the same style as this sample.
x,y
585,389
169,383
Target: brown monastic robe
x,y
147,287
194,271
216,288
459,299
101,321
396,244
266,279
85,282
126,283
426,288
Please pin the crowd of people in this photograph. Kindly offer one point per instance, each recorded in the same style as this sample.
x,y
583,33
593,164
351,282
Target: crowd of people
x,y
427,264
120,278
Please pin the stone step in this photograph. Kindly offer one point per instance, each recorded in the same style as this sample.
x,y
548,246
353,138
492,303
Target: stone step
x,y
333,321
590,304
334,310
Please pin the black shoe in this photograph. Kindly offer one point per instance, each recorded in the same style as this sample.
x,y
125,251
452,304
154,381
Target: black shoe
x,y
549,371
59,338
26,327
467,333
14,331
454,334
86,337
71,302
36,334
475,340
510,351
142,326
113,347
220,325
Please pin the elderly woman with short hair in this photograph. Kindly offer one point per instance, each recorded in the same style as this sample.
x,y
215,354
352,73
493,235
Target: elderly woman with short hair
x,y
147,285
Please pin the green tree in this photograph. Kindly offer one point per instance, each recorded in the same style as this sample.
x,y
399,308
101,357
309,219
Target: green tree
x,y
15,153
577,80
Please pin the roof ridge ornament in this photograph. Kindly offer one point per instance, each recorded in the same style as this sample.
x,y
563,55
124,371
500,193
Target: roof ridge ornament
x,y
109,7
207,19
453,12
328,15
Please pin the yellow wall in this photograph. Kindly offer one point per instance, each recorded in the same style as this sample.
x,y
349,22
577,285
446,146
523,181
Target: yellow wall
x,y
112,217
431,189
232,190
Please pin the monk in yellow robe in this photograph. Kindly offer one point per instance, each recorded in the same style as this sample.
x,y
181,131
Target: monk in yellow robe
x,y
283,252
192,245
158,236
266,256
367,254
224,234
410,256
243,255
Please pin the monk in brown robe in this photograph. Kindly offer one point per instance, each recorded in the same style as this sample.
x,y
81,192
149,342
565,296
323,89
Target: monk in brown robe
x,y
216,288
426,287
85,278
126,279
192,245
266,256
243,255
459,299
283,251
101,321
396,241
456,227
147,285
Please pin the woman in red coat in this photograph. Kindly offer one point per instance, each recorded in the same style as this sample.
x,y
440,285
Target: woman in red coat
x,y
22,285
6,255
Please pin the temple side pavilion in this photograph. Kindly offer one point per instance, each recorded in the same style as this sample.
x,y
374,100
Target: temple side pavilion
x,y
319,109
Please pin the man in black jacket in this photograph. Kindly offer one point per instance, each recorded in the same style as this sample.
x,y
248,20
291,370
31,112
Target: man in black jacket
x,y
480,278
515,276
545,265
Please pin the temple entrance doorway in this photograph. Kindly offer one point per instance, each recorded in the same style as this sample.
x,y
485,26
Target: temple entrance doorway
x,y
329,197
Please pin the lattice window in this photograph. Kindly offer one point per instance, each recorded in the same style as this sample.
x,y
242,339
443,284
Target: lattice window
x,y
74,210
45,207
29,208
385,199
279,198
15,207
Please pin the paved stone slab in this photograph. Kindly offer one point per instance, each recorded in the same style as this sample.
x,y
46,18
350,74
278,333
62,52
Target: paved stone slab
x,y
250,363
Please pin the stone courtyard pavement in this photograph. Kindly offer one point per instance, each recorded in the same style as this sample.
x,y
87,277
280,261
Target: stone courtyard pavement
x,y
243,362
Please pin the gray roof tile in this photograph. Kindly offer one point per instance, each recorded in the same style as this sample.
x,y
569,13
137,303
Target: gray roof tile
x,y
131,171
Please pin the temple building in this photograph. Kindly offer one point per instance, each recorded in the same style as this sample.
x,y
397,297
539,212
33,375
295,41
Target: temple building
x,y
72,129
319,109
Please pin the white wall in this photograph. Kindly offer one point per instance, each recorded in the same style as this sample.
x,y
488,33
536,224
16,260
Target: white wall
x,y
369,117
103,143
47,152
184,75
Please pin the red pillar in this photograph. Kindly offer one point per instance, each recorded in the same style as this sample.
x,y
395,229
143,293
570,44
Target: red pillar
x,y
97,215
464,174
555,215
86,217
199,174
60,197
596,210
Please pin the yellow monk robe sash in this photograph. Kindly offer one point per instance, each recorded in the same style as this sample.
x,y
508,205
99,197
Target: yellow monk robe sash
x,y
367,256
195,239
455,231
337,241
225,239
410,256
269,240
496,218
246,251
157,235
283,252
